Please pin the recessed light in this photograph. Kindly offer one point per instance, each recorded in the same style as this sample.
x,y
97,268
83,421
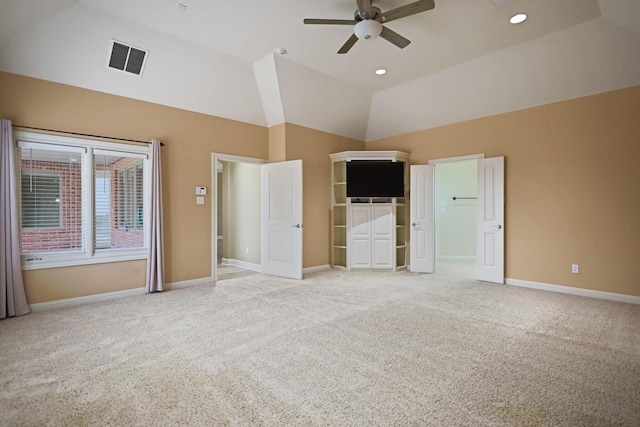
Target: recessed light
x,y
518,18
381,71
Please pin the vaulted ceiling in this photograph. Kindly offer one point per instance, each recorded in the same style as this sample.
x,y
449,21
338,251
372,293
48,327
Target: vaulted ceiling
x,y
224,58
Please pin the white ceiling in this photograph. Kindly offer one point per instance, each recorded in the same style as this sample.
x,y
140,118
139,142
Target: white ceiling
x,y
217,57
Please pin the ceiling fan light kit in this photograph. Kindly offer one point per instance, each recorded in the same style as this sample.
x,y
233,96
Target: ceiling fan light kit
x,y
367,29
367,22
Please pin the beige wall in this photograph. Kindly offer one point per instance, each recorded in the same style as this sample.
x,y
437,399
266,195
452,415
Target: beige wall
x,y
572,172
277,143
314,147
571,181
189,139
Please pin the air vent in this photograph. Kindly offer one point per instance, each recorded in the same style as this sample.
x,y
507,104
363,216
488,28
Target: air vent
x,y
127,58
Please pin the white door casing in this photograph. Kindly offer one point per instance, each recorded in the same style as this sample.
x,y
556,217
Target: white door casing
x,y
282,219
490,228
421,218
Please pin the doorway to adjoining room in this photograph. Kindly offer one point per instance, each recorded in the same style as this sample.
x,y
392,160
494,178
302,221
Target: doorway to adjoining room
x,y
455,218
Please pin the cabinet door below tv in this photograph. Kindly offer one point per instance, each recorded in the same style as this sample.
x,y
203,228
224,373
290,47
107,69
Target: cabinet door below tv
x,y
383,225
360,236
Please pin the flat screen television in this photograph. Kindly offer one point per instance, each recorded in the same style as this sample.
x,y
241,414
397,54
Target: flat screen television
x,y
375,178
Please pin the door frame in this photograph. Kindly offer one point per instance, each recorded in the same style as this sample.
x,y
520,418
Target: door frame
x,y
215,157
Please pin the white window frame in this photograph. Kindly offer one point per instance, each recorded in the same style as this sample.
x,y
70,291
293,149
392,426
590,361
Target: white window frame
x,y
88,255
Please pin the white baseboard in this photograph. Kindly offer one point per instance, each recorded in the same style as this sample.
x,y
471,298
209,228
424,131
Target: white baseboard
x,y
187,283
574,291
242,264
316,268
68,302
107,296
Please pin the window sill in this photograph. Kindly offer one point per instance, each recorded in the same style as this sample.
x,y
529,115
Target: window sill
x,y
43,261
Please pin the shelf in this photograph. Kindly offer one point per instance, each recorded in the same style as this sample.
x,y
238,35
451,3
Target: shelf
x,y
340,247
341,226
340,183
340,171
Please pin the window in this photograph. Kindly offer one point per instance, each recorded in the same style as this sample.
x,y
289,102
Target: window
x,y
82,201
41,200
119,195
51,198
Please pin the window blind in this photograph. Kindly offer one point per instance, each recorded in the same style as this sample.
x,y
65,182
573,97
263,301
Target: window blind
x,y
51,198
119,201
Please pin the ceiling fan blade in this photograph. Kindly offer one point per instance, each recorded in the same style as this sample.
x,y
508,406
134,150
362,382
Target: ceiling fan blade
x,y
331,21
406,10
395,38
364,7
349,44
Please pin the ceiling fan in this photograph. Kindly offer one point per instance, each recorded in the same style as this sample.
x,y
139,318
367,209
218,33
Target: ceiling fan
x,y
367,21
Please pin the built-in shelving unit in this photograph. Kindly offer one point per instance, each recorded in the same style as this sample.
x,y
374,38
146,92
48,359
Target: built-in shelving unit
x,y
367,232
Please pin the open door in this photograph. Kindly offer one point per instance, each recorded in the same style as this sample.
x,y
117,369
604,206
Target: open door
x,y
490,237
422,234
282,219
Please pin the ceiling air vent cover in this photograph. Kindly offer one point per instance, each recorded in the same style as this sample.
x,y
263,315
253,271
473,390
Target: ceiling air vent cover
x,y
127,58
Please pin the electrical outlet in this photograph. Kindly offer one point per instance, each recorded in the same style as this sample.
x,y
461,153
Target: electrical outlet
x,y
575,268
247,250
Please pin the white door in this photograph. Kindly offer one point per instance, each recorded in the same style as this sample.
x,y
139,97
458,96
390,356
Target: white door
x,y
282,219
490,237
422,234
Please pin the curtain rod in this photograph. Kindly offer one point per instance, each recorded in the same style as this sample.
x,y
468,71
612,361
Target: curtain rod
x,y
86,134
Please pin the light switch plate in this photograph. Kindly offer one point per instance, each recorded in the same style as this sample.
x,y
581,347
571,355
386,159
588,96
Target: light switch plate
x,y
201,191
200,200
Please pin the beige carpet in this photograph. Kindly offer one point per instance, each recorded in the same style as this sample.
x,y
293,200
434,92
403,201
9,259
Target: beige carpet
x,y
337,348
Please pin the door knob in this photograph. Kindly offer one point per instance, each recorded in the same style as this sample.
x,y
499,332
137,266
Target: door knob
x,y
297,226
499,226
414,224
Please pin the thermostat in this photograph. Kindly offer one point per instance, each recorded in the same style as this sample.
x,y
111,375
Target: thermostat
x,y
201,191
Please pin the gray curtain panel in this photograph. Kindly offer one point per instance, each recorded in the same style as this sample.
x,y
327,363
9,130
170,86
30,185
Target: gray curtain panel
x,y
155,261
13,300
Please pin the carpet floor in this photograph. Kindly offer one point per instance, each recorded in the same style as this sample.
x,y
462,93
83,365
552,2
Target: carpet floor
x,y
337,348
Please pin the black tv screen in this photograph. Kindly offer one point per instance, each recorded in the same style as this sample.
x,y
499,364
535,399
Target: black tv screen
x,y
373,178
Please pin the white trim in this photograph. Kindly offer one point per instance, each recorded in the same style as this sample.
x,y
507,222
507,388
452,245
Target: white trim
x,y
316,268
457,159
631,299
71,140
69,302
399,156
242,264
41,261
108,296
188,283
